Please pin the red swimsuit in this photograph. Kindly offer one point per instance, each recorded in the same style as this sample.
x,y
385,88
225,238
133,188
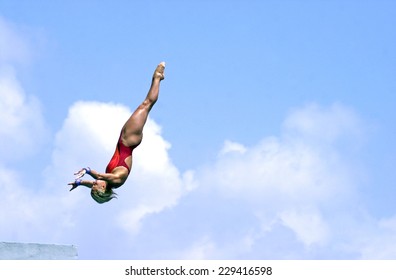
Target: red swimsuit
x,y
120,154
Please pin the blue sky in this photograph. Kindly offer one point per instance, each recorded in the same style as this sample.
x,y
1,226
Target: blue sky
x,y
272,138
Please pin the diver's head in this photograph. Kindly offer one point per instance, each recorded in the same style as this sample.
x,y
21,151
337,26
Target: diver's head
x,y
101,192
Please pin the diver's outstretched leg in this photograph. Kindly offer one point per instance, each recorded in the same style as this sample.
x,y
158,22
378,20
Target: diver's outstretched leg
x,y
132,131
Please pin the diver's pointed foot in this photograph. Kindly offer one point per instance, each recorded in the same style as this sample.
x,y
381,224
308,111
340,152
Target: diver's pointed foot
x,y
159,71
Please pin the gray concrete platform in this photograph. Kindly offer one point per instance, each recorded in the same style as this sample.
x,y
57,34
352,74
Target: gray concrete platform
x,y
33,251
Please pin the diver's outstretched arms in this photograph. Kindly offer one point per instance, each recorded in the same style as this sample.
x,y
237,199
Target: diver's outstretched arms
x,y
78,181
111,178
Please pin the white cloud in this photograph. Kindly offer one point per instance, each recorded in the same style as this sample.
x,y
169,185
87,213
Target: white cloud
x,y
22,130
276,168
27,215
308,224
232,147
292,181
88,137
323,125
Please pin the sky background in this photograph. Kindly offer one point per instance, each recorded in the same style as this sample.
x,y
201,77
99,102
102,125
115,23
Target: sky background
x,y
273,137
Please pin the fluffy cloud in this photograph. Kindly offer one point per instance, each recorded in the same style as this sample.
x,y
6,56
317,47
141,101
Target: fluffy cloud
x,y
298,185
27,215
318,125
309,226
293,170
22,129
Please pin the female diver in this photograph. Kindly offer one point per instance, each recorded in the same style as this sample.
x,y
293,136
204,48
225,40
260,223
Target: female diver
x,y
119,167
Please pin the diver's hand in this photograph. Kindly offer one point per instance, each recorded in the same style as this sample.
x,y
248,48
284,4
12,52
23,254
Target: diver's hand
x,y
82,172
75,184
